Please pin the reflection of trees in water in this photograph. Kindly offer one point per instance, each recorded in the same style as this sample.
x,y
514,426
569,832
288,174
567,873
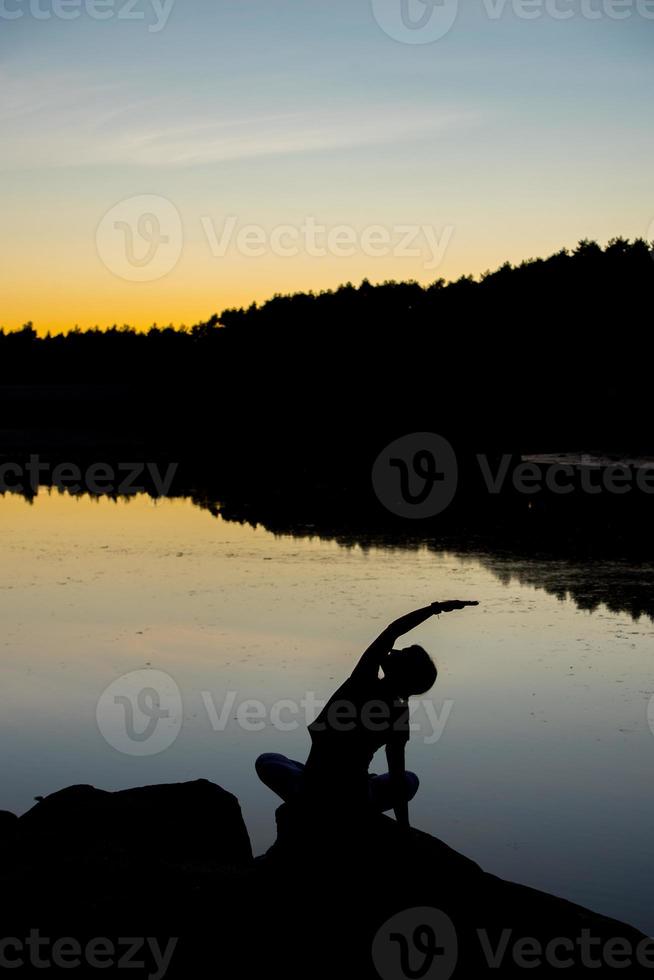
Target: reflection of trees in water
x,y
622,586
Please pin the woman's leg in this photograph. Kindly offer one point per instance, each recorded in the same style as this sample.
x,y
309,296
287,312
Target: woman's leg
x,y
283,776
381,790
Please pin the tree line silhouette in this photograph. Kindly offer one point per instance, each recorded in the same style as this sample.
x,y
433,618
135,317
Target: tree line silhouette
x,y
572,294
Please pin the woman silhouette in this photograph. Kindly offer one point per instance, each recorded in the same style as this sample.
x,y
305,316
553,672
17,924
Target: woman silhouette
x,y
364,714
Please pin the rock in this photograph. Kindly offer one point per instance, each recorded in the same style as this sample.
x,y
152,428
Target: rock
x,y
174,862
168,862
358,884
183,823
8,825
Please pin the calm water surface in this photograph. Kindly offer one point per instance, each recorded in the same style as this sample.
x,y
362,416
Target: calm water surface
x,y
543,769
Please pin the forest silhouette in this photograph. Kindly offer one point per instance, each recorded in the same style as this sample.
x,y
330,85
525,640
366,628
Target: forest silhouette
x,y
578,296
552,347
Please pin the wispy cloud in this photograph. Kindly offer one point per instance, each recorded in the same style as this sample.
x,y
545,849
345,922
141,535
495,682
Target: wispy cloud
x,y
70,120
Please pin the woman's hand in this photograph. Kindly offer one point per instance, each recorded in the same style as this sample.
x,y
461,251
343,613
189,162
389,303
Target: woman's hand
x,y
451,605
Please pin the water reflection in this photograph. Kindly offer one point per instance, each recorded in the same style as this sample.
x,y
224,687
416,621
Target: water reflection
x,y
622,585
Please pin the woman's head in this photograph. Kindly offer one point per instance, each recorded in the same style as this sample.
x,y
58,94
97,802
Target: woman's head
x,y
410,671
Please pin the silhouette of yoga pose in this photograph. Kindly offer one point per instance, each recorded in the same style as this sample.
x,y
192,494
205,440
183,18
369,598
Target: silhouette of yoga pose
x,y
364,714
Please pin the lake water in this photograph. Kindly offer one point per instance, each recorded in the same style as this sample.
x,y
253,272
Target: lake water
x,y
535,753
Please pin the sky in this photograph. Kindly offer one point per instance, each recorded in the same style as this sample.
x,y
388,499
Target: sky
x,y
162,160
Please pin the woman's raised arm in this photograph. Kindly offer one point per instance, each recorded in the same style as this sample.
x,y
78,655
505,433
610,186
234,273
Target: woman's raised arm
x,y
382,646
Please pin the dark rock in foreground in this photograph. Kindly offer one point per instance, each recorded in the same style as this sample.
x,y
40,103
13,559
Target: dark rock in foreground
x,y
172,868
182,824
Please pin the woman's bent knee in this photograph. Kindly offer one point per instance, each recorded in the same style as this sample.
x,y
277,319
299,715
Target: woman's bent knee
x,y
266,760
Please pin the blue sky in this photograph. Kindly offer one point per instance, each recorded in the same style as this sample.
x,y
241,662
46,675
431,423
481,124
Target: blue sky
x,y
518,135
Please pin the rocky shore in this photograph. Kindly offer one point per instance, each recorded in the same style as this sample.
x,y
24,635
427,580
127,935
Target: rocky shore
x,y
162,880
